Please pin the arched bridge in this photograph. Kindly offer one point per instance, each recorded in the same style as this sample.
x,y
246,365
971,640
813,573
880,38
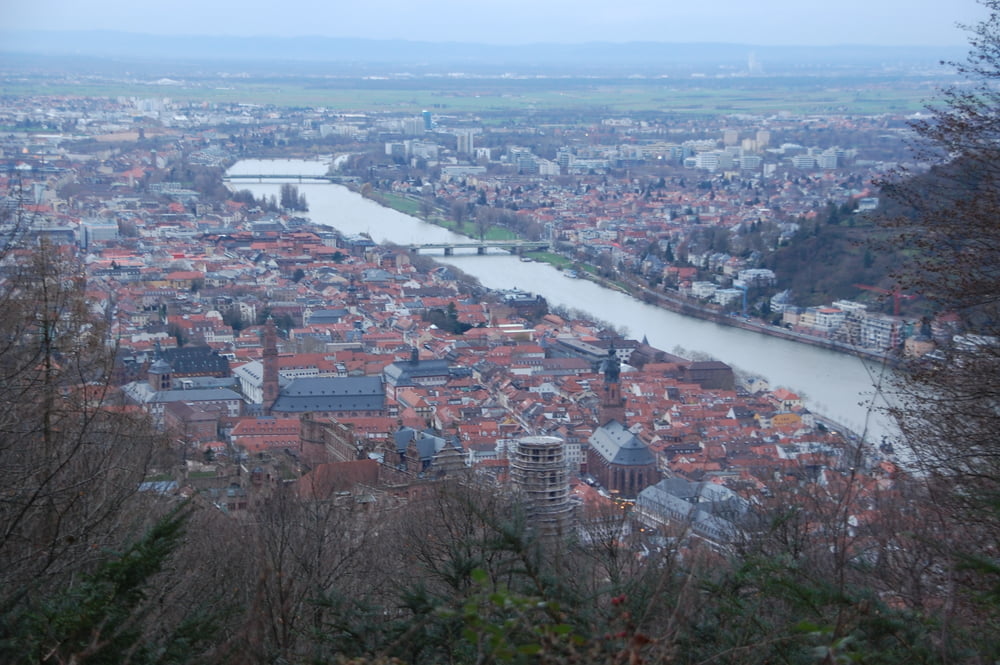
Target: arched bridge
x,y
261,177
481,247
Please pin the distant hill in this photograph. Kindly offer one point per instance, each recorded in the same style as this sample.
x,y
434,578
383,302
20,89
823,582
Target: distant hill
x,y
416,56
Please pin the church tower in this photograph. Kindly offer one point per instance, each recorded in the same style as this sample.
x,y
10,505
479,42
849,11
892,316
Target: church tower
x,y
159,375
612,403
270,362
621,462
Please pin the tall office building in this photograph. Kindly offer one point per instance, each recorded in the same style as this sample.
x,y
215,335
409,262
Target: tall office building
x,y
413,126
466,142
428,121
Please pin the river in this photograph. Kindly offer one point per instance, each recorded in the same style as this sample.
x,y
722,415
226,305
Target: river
x,y
834,385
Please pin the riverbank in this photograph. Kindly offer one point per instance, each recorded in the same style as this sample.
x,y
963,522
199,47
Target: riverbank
x,y
681,305
665,300
830,383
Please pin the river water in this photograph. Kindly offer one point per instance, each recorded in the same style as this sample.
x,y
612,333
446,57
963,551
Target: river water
x,y
834,385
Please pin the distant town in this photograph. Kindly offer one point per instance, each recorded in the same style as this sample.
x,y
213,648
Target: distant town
x,y
276,349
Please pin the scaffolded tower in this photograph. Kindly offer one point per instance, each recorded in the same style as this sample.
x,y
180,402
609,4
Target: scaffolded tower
x,y
539,472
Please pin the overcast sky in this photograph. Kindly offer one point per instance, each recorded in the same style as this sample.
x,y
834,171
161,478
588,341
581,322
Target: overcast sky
x,y
764,22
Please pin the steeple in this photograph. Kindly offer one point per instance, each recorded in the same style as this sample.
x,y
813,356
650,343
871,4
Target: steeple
x,y
612,367
612,404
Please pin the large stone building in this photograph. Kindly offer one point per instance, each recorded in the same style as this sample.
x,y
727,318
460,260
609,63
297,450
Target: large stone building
x,y
415,372
620,461
425,454
325,397
706,509
332,397
617,458
197,377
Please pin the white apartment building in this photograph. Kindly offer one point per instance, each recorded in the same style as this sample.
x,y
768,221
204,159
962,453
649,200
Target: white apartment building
x,y
726,296
879,331
703,289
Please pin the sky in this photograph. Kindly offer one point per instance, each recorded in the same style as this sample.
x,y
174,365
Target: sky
x,y
764,22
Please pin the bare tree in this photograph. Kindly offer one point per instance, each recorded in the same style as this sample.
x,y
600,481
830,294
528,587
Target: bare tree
x,y
72,513
70,461
949,401
321,580
459,211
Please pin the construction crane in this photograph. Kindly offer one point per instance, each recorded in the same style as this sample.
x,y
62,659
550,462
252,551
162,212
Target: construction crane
x,y
895,293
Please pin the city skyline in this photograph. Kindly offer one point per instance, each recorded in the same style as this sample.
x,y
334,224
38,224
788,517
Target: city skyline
x,y
773,22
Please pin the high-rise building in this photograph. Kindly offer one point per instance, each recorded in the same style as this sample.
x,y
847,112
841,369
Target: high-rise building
x,y
540,474
466,142
428,121
414,126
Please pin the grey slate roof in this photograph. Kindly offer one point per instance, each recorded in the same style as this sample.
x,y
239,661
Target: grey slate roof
x,y
406,372
196,359
616,444
196,395
204,382
428,443
330,315
377,275
705,507
363,393
142,393
161,366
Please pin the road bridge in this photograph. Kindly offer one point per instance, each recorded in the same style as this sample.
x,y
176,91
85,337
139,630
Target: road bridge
x,y
261,177
482,246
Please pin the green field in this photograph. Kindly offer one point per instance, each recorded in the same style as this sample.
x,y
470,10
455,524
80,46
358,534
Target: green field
x,y
399,202
523,97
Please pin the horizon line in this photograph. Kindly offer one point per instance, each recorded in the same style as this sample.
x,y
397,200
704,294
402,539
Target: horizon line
x,y
592,42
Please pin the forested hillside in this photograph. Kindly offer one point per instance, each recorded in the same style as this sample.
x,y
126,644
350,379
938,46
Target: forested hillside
x,y
832,254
